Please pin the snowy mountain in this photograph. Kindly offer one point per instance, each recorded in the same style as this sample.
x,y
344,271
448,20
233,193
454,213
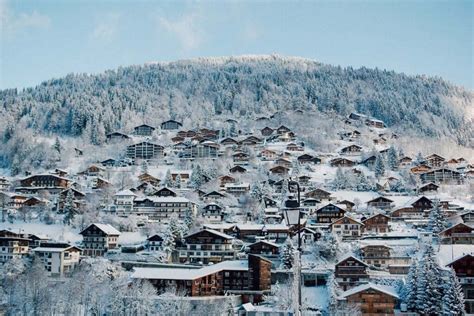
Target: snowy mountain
x,y
237,86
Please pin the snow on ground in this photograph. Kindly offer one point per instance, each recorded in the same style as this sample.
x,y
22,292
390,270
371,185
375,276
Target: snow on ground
x,y
55,232
315,295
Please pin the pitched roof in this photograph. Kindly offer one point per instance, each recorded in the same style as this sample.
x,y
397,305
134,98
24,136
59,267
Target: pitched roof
x,y
106,228
380,288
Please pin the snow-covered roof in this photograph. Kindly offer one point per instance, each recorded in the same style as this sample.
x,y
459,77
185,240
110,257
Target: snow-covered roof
x,y
164,199
106,228
211,231
126,192
188,274
54,249
381,288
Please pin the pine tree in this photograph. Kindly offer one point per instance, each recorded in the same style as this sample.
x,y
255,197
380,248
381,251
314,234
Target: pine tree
x,y
392,158
419,159
177,181
168,179
69,208
188,219
57,145
287,255
144,166
379,167
340,180
437,221
196,177
429,287
169,244
453,296
361,183
410,291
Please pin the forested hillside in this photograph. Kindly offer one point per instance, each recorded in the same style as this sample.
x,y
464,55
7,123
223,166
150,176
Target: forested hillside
x,y
92,105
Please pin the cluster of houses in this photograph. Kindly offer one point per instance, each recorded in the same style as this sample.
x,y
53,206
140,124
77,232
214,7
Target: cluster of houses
x,y
236,249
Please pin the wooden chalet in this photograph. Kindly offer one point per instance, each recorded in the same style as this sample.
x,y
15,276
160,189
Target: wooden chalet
x,y
442,175
171,125
98,239
308,159
380,202
351,150
251,279
143,130
351,272
319,194
145,150
266,131
347,227
342,162
264,248
460,233
377,224
116,136
279,170
373,299
435,161
329,213
207,246
237,169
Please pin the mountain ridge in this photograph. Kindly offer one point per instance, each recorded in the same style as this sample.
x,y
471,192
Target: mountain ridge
x,y
240,86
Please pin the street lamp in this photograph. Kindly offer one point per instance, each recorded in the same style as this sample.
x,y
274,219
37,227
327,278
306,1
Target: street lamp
x,y
292,214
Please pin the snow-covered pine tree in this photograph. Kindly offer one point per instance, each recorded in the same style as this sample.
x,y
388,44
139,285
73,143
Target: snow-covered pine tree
x,y
340,180
410,291
429,287
177,182
195,181
144,166
287,255
169,244
437,221
57,145
168,179
361,183
334,291
379,166
392,158
69,208
419,159
453,296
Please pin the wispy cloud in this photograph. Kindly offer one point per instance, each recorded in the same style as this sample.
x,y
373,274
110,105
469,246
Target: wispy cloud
x,y
187,29
106,27
12,22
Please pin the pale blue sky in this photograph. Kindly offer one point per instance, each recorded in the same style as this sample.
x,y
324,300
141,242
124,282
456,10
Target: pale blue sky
x,y
51,38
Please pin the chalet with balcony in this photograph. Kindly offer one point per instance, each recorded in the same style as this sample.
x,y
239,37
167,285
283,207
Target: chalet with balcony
x,y
267,154
308,159
372,299
48,182
213,213
351,150
251,279
319,194
143,130
435,161
162,209
237,169
381,203
376,224
229,142
116,136
252,232
266,131
237,189
351,272
342,162
98,239
171,125
376,255
347,228
428,188
145,150
13,245
207,246
458,234
240,158
443,175
265,248
279,170
405,161
148,178
154,243
203,150
329,213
